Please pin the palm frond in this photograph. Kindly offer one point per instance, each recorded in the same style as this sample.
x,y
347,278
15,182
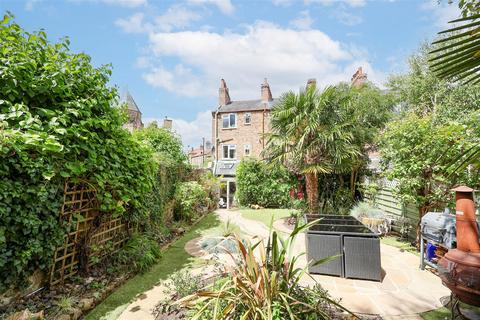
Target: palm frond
x,y
457,55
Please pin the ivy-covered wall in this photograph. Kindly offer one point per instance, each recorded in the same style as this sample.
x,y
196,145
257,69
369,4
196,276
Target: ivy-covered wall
x,y
59,119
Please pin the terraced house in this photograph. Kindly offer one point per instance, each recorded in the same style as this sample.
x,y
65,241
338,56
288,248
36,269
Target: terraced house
x,y
237,132
238,128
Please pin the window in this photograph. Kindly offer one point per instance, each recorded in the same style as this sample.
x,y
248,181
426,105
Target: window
x,y
228,151
248,118
246,150
229,120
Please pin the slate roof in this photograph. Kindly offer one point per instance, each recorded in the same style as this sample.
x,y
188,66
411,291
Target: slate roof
x,y
131,104
225,168
248,105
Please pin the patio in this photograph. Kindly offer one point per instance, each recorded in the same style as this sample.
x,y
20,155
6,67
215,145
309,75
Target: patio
x,y
404,291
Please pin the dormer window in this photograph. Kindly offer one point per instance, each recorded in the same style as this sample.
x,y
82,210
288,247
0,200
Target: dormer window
x,y
248,118
229,121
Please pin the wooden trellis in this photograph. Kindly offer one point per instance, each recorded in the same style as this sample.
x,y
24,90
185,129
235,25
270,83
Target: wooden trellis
x,y
88,227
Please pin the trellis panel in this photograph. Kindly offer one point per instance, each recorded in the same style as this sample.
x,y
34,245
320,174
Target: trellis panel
x,y
87,226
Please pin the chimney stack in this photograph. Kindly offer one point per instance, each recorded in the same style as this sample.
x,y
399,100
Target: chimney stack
x,y
359,78
167,123
223,95
312,83
266,93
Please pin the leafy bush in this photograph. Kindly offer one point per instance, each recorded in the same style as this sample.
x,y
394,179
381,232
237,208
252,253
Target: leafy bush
x,y
365,210
191,200
172,166
262,184
264,286
140,252
56,123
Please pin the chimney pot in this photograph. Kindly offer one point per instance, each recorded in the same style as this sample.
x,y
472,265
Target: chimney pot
x,y
266,93
223,95
312,82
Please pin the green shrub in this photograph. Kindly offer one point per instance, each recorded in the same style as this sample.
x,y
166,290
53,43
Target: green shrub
x,y
262,184
191,200
264,283
140,252
57,122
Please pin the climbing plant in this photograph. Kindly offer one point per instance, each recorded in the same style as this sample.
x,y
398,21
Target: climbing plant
x,y
58,121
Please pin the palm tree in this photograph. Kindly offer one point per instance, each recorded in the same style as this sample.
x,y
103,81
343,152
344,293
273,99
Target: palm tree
x,y
458,54
312,134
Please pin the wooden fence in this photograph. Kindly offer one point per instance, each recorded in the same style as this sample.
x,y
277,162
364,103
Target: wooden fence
x,y
89,232
386,201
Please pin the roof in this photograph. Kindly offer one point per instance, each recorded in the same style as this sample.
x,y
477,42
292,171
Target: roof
x,y
131,104
248,105
225,168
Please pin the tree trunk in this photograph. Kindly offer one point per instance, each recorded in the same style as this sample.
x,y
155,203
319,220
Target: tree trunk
x,y
312,192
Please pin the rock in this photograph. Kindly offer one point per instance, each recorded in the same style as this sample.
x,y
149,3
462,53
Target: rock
x,y
142,296
63,317
89,280
179,230
76,313
135,309
86,304
26,315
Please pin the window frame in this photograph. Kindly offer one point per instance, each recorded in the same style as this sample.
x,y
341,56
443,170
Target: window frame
x,y
249,117
228,117
245,148
230,147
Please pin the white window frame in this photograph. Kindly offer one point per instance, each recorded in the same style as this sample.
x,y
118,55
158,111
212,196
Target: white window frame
x,y
229,117
230,147
249,148
249,115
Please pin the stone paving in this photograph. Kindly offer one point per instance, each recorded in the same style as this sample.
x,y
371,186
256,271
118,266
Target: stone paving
x,y
404,291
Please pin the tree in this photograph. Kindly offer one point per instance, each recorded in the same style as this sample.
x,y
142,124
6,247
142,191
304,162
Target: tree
x,y
57,123
457,54
321,132
435,126
416,153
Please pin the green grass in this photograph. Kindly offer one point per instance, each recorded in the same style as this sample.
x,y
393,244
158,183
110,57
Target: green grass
x,y
400,244
265,215
438,314
173,259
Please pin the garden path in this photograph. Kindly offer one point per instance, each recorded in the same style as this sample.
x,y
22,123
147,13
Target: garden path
x,y
405,290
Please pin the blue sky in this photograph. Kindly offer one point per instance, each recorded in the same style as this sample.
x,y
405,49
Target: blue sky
x,y
171,55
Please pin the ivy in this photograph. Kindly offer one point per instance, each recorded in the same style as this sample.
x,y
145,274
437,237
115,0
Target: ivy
x,y
58,121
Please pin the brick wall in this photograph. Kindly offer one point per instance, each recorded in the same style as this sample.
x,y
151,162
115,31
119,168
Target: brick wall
x,y
243,134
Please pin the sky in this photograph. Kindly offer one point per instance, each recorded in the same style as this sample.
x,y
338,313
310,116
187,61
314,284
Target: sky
x,y
171,55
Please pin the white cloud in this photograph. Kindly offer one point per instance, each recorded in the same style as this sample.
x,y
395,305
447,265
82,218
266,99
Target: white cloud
x,y
346,17
287,57
441,12
193,131
303,22
127,3
282,3
122,3
351,3
179,80
224,6
176,17
30,4
134,24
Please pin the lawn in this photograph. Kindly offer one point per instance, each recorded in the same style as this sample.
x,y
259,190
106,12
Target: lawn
x,y
173,259
265,215
400,244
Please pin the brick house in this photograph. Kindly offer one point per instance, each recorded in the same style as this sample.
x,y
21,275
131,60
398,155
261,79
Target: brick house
x,y
238,128
237,132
